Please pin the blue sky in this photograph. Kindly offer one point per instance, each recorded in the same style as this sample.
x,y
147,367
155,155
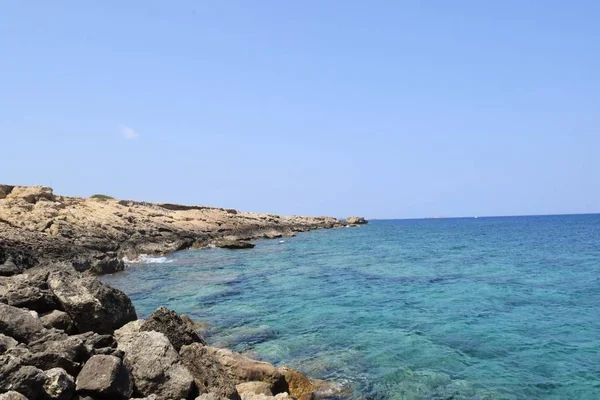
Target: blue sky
x,y
390,109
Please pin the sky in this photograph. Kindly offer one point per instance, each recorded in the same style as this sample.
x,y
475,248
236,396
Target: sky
x,y
385,109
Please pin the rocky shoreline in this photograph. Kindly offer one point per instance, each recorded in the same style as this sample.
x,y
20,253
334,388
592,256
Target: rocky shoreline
x,y
66,335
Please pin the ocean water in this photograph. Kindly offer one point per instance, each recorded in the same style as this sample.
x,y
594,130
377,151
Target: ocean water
x,y
486,308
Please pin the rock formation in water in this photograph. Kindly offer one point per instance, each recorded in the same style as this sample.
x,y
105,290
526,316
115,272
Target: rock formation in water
x,y
356,221
97,233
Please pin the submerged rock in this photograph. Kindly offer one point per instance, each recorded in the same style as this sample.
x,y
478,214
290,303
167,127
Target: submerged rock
x,y
92,305
176,329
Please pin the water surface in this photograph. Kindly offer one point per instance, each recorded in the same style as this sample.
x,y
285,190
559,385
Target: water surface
x,y
486,308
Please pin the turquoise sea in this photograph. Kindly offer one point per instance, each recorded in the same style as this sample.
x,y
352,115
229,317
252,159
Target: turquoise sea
x,y
472,308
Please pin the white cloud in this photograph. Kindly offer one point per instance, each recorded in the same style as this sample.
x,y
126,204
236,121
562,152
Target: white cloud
x,y
129,133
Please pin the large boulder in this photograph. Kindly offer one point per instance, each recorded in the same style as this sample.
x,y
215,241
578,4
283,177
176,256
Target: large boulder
x,y
57,350
24,379
31,194
30,297
243,369
105,376
19,324
92,305
6,342
209,375
177,330
155,365
59,384
254,387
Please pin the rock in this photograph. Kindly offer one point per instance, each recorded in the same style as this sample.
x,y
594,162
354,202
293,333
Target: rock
x,y
210,396
209,375
19,324
243,369
59,320
155,365
254,396
177,330
129,328
298,384
32,298
57,350
92,305
233,244
272,235
12,395
31,194
24,379
254,387
105,376
356,220
59,385
9,268
6,342
5,190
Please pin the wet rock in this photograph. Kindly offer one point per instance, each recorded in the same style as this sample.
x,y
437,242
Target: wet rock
x,y
254,387
6,342
243,369
105,376
19,324
92,305
59,320
209,375
155,365
233,244
177,330
298,384
59,384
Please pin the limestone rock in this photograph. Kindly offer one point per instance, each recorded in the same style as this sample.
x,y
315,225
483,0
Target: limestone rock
x,y
59,385
31,194
356,220
177,330
9,268
59,320
105,376
6,342
233,244
298,384
209,375
210,396
24,379
155,365
92,305
19,324
254,387
12,395
57,350
254,396
243,369
129,328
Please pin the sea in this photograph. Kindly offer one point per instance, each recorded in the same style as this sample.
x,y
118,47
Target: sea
x,y
465,308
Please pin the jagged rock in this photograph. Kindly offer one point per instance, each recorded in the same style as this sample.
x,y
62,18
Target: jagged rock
x,y
155,365
177,330
24,379
356,220
6,342
59,385
128,329
243,369
19,324
9,268
209,375
254,396
254,387
105,376
59,320
92,305
31,194
273,235
30,297
298,384
57,350
233,244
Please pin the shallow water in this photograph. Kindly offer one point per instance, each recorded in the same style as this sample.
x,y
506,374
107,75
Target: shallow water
x,y
498,308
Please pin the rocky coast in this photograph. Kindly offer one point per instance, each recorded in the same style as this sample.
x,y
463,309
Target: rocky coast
x,y
66,335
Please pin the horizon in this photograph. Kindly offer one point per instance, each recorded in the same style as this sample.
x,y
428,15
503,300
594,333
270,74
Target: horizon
x,y
388,111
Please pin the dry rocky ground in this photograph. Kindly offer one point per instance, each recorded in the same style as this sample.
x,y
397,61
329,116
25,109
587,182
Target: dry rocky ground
x,y
66,335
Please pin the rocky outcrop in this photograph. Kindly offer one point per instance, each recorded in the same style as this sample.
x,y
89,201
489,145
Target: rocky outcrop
x,y
95,234
356,221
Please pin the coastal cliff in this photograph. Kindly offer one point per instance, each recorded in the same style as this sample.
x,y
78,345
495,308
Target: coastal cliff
x,y
66,335
98,233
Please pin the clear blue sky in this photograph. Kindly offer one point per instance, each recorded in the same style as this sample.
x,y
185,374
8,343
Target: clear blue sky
x,y
382,109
